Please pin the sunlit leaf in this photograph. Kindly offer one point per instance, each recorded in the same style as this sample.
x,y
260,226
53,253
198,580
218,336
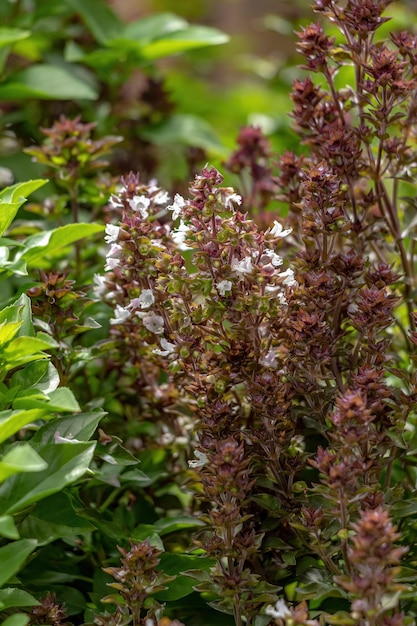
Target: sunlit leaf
x,y
12,597
66,463
12,198
47,82
12,557
99,18
53,242
21,458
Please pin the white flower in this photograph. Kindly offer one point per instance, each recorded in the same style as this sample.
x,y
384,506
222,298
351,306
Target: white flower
x,y
242,267
100,287
288,276
179,236
177,206
141,205
115,202
121,315
200,461
111,264
229,197
277,230
269,360
271,257
68,439
114,250
112,233
167,348
145,300
162,197
224,286
280,610
154,323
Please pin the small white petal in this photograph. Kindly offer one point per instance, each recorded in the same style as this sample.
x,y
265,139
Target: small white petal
x,y
224,286
162,197
144,301
177,206
230,197
112,233
269,360
179,236
288,276
114,250
242,267
278,231
280,610
121,315
111,264
269,256
154,323
167,348
99,288
68,439
115,202
140,204
200,461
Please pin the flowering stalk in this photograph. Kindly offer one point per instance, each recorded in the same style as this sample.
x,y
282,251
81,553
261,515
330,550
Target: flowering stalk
x,y
210,330
136,581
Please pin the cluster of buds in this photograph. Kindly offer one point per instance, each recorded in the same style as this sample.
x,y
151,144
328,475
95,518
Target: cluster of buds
x,y
71,150
374,559
48,612
251,161
136,581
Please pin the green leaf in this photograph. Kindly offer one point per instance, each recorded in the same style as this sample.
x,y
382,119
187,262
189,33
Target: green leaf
x,y
190,38
18,619
173,565
53,242
153,27
8,527
12,421
8,331
187,130
66,463
24,315
21,190
172,524
40,374
22,349
59,400
102,22
81,426
12,198
404,508
9,36
54,518
47,82
164,34
11,597
21,458
12,557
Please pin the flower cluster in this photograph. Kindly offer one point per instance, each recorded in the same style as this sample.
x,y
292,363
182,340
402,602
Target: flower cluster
x,y
210,321
136,581
374,560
